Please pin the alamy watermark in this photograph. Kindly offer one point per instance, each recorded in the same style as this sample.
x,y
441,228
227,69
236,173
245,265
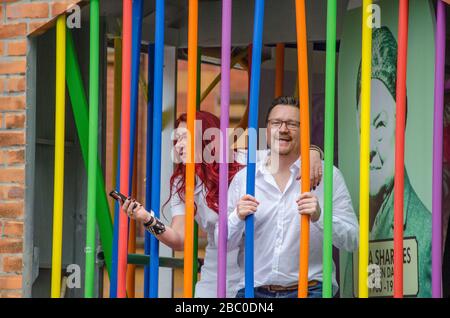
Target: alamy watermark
x,y
74,276
209,144
73,17
374,19
374,278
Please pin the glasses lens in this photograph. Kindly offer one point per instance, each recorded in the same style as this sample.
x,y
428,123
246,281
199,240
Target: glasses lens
x,y
292,125
275,123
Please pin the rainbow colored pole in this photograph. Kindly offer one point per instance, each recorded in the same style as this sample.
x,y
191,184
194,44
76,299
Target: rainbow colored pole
x,y
94,41
252,142
330,84
223,166
279,69
195,259
131,268
135,63
115,241
190,164
366,70
249,72
117,106
302,56
156,152
400,146
116,162
436,247
198,108
124,147
236,59
79,103
148,173
58,199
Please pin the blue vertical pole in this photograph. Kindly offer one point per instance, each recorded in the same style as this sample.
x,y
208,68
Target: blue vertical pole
x,y
252,141
148,176
157,135
115,250
135,63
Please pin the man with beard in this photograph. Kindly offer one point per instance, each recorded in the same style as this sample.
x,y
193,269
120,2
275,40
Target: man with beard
x,y
277,207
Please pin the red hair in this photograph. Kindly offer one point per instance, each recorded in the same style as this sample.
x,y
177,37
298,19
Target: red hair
x,y
208,173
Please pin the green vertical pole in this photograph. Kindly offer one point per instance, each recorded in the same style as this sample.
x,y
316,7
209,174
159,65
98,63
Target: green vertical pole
x,y
330,75
195,267
94,40
80,112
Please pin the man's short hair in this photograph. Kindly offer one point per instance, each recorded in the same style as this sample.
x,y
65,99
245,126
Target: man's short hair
x,y
283,100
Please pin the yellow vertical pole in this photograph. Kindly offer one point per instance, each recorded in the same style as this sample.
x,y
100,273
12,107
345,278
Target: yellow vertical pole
x,y
60,102
366,65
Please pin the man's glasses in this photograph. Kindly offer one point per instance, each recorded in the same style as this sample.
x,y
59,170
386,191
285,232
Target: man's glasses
x,y
290,124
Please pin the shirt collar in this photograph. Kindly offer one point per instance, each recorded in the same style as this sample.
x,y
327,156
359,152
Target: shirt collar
x,y
297,164
261,165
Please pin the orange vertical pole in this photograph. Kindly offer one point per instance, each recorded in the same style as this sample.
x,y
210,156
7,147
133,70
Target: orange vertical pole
x,y
190,164
302,57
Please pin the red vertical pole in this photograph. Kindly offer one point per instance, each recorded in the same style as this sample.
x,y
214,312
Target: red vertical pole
x,y
124,147
400,147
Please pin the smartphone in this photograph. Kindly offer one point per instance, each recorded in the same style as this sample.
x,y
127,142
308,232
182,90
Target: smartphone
x,y
118,196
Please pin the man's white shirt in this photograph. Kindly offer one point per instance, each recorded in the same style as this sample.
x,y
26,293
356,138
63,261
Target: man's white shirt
x,y
277,226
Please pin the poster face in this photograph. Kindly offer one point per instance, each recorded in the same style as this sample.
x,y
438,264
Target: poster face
x,y
418,145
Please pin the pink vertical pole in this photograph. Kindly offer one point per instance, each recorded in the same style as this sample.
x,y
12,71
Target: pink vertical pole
x,y
436,246
223,166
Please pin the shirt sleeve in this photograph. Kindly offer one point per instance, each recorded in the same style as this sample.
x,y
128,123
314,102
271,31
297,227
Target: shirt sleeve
x,y
235,225
345,224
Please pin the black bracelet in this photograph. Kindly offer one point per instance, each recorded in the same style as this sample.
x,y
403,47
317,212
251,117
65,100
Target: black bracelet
x,y
152,219
157,228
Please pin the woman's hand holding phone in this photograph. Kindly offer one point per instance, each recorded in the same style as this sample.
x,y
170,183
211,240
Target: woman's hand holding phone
x,y
135,210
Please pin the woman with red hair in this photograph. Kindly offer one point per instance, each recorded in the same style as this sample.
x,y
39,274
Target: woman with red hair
x,y
206,198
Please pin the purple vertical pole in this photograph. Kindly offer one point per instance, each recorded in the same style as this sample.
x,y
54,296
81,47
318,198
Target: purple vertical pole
x,y
223,166
439,80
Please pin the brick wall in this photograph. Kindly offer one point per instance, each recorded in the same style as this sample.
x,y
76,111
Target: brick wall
x,y
18,18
